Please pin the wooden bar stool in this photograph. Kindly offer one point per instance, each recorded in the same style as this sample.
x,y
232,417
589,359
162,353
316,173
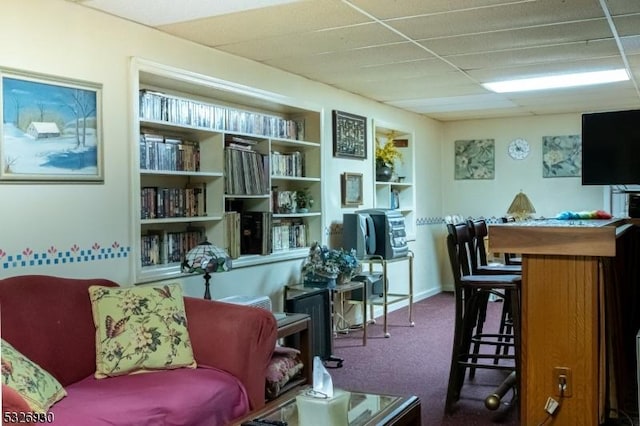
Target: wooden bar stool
x,y
478,232
471,294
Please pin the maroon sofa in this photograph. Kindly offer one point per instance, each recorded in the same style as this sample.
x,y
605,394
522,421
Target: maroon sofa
x,y
49,320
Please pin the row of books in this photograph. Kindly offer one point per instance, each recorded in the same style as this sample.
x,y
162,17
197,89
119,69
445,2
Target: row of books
x,y
173,109
159,152
158,202
247,172
159,247
288,234
287,164
259,233
248,233
162,107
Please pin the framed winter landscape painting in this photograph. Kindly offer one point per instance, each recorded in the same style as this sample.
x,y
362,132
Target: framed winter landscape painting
x,y
51,128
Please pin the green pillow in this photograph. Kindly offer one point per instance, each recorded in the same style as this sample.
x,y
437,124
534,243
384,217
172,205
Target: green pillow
x,y
140,329
40,389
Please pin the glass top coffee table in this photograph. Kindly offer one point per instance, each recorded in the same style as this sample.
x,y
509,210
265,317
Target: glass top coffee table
x,y
364,409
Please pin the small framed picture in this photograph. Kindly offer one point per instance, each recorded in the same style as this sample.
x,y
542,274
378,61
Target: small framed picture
x,y
349,135
50,129
351,189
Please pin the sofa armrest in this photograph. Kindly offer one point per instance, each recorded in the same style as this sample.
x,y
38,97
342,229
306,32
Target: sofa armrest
x,y
12,402
237,339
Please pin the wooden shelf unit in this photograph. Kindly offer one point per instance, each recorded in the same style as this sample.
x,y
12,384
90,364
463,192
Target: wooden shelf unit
x,y
202,111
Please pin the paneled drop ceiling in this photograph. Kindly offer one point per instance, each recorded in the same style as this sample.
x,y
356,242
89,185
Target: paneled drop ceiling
x,y
427,56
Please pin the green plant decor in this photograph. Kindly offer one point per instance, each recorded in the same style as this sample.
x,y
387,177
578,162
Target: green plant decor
x,y
304,199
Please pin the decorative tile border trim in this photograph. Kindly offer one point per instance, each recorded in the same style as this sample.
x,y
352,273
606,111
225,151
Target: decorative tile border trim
x,y
52,256
441,220
336,228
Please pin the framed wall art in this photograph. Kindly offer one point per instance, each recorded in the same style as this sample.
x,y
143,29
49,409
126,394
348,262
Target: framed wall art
x,y
561,156
51,128
349,135
351,189
475,159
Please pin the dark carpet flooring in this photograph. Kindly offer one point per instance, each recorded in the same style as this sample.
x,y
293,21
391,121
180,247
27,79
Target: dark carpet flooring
x,y
416,360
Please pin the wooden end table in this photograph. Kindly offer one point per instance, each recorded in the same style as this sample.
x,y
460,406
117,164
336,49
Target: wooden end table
x,y
299,324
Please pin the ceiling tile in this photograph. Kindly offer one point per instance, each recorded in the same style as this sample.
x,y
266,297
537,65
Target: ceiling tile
x,y
354,62
385,9
549,35
271,22
322,41
477,21
445,85
383,74
621,7
537,70
537,55
158,12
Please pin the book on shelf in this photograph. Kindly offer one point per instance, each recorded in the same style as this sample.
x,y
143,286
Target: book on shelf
x,y
255,229
156,202
287,163
232,234
288,234
168,153
245,173
151,248
158,106
179,243
196,199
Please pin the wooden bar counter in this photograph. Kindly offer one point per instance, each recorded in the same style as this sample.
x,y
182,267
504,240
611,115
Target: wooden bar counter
x,y
563,314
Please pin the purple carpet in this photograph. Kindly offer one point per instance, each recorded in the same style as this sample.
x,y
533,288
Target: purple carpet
x,y
416,360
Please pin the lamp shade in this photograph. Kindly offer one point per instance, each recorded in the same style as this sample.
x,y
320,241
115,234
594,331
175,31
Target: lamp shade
x,y
521,206
205,258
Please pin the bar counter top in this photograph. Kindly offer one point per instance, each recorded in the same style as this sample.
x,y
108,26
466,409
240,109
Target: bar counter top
x,y
581,237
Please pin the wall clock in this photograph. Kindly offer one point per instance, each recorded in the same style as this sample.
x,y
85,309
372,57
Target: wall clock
x,y
519,149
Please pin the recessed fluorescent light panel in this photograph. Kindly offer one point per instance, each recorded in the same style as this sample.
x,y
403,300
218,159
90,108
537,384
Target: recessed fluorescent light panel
x,y
558,81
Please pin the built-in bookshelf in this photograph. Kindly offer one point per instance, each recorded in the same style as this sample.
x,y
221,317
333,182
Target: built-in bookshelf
x,y
399,193
210,161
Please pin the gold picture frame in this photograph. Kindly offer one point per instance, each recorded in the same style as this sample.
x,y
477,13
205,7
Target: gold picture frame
x,y
351,189
51,128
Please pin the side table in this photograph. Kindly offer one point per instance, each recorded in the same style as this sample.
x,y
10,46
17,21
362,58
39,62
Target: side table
x,y
299,324
389,298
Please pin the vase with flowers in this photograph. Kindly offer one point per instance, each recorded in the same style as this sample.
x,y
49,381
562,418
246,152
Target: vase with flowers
x,y
386,156
325,267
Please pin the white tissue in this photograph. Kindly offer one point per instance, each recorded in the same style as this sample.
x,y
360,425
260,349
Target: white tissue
x,y
322,405
322,382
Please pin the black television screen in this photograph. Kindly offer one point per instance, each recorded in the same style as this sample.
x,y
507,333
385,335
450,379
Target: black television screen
x,y
611,148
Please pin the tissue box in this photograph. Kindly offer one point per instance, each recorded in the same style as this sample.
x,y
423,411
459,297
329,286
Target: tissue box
x,y
324,411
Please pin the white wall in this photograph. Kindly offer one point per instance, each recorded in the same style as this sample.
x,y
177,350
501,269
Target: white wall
x,y
60,38
491,198
67,221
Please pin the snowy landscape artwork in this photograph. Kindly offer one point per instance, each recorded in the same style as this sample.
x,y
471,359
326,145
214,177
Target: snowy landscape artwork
x,y
50,129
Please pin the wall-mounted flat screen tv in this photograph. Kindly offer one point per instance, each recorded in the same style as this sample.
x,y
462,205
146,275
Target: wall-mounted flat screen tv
x,y
611,148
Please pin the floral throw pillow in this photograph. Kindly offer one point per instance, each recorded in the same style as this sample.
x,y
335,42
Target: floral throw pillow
x,y
140,329
38,388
